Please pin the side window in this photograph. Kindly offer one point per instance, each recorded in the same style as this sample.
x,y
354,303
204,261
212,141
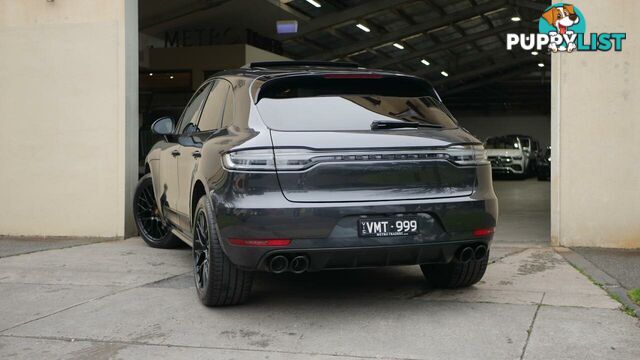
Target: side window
x,y
190,115
212,113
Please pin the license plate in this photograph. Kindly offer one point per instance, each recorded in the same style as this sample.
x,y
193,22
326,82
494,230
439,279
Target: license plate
x,y
380,227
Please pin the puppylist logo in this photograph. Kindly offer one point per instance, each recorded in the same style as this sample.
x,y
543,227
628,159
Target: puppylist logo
x,y
563,28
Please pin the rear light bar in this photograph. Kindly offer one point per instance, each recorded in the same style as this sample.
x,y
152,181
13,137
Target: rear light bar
x,y
468,154
483,232
297,159
260,242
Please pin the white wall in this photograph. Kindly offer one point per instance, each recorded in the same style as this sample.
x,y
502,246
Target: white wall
x,y
483,127
596,135
68,117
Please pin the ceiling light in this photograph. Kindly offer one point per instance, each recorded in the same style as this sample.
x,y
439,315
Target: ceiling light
x,y
150,74
287,26
534,53
541,65
171,77
314,3
516,18
399,46
363,28
444,73
425,62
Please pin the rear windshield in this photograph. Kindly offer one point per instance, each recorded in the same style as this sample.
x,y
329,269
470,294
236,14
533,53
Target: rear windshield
x,y
349,102
504,142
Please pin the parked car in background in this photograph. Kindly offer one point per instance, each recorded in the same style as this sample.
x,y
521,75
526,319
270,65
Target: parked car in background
x,y
544,165
306,166
531,150
513,155
506,155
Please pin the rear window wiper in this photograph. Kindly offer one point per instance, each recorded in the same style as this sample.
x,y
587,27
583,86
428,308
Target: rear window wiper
x,y
379,125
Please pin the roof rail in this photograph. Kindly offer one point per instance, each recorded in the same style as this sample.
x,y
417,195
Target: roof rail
x,y
272,64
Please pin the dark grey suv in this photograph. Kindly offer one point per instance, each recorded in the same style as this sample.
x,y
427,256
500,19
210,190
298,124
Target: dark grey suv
x,y
294,167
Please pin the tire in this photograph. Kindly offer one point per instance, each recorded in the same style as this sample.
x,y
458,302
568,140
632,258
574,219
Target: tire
x,y
455,274
151,227
218,281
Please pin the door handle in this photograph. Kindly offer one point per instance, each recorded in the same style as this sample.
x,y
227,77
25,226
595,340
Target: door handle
x,y
175,153
196,154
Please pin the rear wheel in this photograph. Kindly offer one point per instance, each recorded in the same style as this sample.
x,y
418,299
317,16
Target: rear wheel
x,y
148,219
218,281
456,274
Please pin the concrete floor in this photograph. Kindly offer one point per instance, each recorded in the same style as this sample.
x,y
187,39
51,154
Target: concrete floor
x,y
122,299
524,212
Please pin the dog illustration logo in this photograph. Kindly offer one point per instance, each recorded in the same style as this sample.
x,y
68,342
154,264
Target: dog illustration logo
x,y
562,21
563,29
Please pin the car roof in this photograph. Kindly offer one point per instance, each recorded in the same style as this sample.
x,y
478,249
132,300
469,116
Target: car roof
x,y
274,69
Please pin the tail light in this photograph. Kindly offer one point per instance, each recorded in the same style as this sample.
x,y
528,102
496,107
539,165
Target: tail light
x,y
297,159
260,242
483,232
468,154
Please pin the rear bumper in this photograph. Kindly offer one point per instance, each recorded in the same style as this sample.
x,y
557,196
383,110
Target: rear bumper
x,y
327,232
373,256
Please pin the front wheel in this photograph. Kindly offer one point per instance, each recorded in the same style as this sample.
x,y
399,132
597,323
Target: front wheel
x,y
456,274
218,281
151,227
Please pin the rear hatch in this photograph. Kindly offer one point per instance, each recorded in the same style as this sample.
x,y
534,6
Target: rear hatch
x,y
365,137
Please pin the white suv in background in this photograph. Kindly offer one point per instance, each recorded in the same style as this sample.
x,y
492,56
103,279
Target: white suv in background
x,y
512,154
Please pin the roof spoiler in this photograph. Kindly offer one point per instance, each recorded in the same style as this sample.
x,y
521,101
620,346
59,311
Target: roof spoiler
x,y
276,64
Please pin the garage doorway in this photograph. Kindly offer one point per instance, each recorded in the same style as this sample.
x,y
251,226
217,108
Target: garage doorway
x,y
459,46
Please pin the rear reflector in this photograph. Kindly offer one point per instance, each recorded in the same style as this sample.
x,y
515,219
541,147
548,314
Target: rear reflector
x,y
260,242
483,232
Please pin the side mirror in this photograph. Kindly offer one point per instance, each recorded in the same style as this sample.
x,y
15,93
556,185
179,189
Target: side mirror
x,y
163,126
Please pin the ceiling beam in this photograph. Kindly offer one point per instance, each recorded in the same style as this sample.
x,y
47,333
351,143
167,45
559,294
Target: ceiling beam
x,y
451,66
352,14
290,10
488,81
450,44
162,22
486,70
411,30
534,5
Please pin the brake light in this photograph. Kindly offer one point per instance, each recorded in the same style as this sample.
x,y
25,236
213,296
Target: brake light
x,y
483,232
260,242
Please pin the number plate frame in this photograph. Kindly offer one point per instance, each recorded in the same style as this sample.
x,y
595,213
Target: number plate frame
x,y
386,227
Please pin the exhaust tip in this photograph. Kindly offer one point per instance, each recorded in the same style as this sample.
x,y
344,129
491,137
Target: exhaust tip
x,y
466,255
278,264
480,252
299,264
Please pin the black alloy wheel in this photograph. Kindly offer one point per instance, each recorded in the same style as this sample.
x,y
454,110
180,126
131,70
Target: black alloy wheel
x,y
218,281
201,250
151,227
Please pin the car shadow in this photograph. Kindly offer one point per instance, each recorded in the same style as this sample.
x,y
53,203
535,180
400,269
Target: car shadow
x,y
396,282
